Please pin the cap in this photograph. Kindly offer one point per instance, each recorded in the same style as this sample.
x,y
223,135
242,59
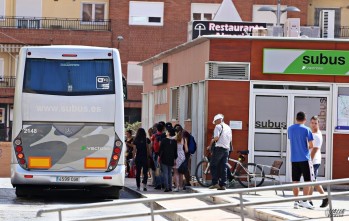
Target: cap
x,y
217,117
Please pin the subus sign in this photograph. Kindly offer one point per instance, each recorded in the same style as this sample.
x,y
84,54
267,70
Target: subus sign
x,y
296,61
224,28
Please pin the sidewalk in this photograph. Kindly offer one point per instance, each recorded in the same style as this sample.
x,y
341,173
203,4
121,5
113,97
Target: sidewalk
x,y
278,211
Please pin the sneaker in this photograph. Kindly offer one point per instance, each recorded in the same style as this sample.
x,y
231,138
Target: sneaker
x,y
144,188
167,190
176,190
311,202
221,188
216,186
306,204
184,188
296,205
158,187
324,203
138,189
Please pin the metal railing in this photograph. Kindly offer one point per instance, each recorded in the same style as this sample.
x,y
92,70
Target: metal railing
x,y
54,23
7,82
343,32
240,192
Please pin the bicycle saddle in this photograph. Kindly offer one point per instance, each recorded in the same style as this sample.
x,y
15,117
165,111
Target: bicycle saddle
x,y
243,151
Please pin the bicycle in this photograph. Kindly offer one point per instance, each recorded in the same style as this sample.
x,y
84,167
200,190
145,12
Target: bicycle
x,y
247,174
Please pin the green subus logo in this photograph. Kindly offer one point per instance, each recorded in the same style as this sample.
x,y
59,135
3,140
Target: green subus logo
x,y
323,59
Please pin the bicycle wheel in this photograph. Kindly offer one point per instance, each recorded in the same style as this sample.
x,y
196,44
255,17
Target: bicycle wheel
x,y
203,173
250,175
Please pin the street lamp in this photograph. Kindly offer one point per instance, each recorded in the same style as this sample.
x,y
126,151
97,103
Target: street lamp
x,y
119,39
278,10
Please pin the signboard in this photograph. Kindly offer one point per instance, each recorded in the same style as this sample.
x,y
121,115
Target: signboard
x,y
235,125
224,28
160,73
343,112
306,62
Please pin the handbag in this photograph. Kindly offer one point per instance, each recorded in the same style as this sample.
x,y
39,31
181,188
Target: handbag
x,y
183,168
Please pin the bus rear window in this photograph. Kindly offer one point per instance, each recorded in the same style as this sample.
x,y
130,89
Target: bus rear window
x,y
69,77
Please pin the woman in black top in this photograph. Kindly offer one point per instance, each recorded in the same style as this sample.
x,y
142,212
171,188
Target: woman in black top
x,y
141,153
168,156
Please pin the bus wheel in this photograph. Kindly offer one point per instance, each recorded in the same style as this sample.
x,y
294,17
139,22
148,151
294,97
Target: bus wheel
x,y
21,191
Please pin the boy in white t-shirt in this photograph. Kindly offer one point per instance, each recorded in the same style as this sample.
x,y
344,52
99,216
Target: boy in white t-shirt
x,y
315,154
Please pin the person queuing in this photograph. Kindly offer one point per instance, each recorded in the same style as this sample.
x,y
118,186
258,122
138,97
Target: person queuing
x,y
168,155
129,149
140,153
185,135
182,148
156,141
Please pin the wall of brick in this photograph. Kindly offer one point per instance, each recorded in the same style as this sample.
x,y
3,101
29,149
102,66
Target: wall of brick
x,y
7,95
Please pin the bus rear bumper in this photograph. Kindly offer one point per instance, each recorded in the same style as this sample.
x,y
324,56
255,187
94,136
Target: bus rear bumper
x,y
19,176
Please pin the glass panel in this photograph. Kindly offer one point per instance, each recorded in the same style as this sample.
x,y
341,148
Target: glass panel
x,y
196,16
322,168
63,77
269,142
99,12
154,19
323,147
265,160
87,12
343,109
312,106
271,112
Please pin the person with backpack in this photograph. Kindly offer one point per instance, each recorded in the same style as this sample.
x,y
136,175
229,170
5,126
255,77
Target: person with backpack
x,y
156,141
168,155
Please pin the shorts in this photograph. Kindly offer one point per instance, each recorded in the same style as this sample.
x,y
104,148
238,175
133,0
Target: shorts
x,y
316,170
304,168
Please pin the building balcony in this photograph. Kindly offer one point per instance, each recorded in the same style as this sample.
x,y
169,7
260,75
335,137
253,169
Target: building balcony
x,y
54,23
7,82
343,32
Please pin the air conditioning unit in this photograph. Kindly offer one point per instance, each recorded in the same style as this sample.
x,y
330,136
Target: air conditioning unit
x,y
292,27
327,18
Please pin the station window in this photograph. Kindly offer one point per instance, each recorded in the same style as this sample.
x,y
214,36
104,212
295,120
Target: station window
x,y
2,77
161,96
146,13
174,103
93,12
188,102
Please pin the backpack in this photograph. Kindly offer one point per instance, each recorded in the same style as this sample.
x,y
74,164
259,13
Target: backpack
x,y
191,145
157,140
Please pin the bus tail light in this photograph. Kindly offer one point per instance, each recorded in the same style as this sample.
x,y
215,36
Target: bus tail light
x,y
19,152
28,176
115,155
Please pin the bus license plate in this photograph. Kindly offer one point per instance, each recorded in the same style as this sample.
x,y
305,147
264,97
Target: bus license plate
x,y
67,179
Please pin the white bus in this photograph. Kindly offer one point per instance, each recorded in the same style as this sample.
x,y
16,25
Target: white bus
x,y
68,122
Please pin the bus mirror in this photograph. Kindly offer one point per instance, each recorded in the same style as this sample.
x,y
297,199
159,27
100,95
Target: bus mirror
x,y
124,87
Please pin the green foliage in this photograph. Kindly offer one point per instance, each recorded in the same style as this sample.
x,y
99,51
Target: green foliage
x,y
134,126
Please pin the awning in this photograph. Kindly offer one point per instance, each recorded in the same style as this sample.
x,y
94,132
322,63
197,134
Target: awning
x,y
10,47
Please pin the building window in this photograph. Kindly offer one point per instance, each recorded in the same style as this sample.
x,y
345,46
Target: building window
x,y
93,12
2,8
174,103
161,96
134,73
2,74
146,13
203,11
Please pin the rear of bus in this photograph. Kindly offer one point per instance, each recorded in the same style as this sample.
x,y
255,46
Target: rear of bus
x,y
68,121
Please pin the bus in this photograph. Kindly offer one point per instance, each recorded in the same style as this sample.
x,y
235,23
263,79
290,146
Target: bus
x,y
68,121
